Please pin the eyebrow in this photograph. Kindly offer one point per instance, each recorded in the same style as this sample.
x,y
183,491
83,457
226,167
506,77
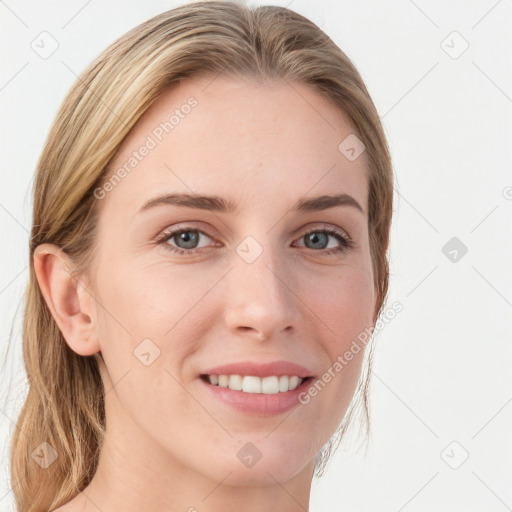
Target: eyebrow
x,y
221,205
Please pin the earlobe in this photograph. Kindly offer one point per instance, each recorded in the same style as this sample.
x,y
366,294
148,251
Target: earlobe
x,y
70,305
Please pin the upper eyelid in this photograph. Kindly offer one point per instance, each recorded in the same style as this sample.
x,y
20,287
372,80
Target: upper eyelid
x,y
185,226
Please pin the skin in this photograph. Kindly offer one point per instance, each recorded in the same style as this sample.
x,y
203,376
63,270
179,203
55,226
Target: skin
x,y
169,446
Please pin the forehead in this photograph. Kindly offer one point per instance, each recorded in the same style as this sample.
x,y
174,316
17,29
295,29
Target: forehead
x,y
239,139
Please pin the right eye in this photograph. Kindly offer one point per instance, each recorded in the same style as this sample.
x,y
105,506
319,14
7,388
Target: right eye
x,y
187,237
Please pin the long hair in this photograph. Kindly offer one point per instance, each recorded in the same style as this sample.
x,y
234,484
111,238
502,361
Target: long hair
x,y
64,406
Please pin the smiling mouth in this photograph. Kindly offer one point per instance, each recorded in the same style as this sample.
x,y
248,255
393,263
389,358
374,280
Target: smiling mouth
x,y
270,385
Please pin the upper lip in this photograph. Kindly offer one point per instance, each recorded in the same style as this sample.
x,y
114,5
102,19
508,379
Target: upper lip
x,y
278,368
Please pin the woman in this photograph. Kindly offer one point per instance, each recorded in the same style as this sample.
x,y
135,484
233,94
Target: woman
x,y
208,257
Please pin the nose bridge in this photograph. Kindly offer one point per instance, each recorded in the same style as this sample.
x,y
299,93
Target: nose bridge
x,y
259,289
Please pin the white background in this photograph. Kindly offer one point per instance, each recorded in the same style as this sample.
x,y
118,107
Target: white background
x,y
442,366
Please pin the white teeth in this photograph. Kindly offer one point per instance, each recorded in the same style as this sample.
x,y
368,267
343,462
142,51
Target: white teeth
x,y
294,382
283,383
270,385
235,382
252,384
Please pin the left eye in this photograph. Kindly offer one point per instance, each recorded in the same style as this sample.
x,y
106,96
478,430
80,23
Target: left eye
x,y
187,240
321,237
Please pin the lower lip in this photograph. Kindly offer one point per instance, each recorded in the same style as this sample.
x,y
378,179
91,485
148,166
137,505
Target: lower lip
x,y
259,404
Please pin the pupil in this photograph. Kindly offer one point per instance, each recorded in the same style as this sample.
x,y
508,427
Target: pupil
x,y
314,237
190,240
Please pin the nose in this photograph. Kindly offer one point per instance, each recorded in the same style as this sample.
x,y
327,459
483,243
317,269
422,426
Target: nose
x,y
261,298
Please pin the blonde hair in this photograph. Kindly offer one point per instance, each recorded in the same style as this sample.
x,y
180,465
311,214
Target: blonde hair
x,y
65,402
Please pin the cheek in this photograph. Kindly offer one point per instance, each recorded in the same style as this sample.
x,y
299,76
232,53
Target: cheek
x,y
344,301
344,307
149,323
148,300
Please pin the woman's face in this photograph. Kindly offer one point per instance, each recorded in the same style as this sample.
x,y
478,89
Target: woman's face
x,y
261,285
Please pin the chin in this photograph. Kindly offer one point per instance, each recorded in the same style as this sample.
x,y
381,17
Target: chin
x,y
263,465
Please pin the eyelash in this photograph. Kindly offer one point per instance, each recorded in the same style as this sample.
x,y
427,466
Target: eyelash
x,y
346,242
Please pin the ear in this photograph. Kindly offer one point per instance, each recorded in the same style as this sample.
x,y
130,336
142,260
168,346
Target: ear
x,y
72,307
